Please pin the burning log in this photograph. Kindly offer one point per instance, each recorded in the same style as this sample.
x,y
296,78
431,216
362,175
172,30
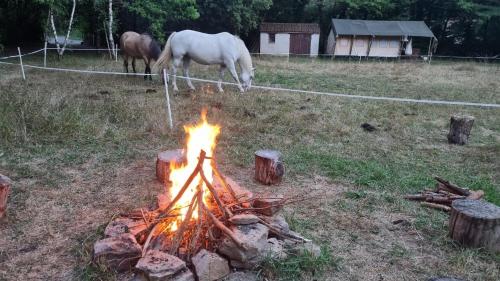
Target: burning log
x,y
268,167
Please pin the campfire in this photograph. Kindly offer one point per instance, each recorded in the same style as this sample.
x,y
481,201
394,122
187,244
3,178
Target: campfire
x,y
206,218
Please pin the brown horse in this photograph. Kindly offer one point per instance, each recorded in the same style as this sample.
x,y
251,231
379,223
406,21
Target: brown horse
x,y
142,46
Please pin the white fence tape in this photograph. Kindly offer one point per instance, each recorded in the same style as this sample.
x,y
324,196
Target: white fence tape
x,y
406,100
23,55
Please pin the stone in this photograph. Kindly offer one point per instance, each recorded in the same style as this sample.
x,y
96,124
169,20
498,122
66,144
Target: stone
x,y
125,225
119,253
268,207
242,276
253,236
210,266
279,223
243,219
248,264
304,248
185,275
274,249
159,266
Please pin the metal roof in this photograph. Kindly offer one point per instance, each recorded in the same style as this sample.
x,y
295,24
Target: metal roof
x,y
381,28
269,27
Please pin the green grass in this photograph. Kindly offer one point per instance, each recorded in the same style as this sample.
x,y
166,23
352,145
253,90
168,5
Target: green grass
x,y
81,148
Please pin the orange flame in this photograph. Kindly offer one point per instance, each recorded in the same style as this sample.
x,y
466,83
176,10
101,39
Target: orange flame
x,y
199,137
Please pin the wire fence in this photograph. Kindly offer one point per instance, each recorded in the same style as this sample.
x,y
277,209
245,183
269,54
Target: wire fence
x,y
261,87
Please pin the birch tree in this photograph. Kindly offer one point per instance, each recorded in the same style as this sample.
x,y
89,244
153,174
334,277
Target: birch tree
x,y
70,25
110,27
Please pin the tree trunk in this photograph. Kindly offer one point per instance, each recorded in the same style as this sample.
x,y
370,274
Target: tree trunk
x,y
110,27
4,194
460,128
163,162
54,30
475,223
70,24
268,167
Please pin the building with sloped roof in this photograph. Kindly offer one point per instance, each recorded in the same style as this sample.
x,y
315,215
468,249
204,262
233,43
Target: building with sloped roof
x,y
289,38
374,38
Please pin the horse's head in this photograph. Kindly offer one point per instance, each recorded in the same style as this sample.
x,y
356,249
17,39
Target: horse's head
x,y
246,78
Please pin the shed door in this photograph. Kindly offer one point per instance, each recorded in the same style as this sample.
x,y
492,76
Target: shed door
x,y
300,43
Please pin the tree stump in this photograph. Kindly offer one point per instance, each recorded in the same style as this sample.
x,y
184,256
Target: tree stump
x,y
5,183
163,162
460,127
268,167
475,223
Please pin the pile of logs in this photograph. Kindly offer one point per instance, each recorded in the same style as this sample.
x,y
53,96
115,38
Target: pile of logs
x,y
443,196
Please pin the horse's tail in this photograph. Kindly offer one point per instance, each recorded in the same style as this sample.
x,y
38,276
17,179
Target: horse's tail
x,y
165,56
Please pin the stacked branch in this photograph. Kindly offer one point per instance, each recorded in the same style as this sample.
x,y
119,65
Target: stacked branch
x,y
213,219
443,196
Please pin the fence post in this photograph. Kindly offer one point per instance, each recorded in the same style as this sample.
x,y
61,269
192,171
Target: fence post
x,y
45,54
168,99
21,62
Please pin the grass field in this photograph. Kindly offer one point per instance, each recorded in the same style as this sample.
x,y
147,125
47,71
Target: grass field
x,y
82,148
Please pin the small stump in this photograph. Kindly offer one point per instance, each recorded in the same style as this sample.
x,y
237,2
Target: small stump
x,y
460,127
475,223
5,183
269,168
163,162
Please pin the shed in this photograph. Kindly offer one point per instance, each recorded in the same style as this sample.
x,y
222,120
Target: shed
x,y
289,38
374,38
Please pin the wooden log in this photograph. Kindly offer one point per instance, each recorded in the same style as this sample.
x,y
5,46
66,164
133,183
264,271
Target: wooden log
x,y
446,185
268,167
476,195
5,183
163,162
475,223
436,206
460,128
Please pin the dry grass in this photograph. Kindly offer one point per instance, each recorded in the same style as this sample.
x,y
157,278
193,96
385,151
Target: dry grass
x,y
81,148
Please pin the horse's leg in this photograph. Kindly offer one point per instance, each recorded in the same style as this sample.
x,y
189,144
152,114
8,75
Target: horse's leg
x,y
147,70
175,64
185,66
221,77
133,65
125,63
232,69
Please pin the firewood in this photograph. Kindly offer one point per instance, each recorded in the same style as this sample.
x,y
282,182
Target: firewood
x,y
268,167
454,188
476,195
415,197
475,223
224,228
282,234
223,208
436,206
180,230
199,224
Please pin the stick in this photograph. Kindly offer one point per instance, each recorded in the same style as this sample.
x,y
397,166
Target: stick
x,y
144,218
21,62
199,225
180,231
456,189
169,111
227,212
223,228
188,182
222,180
45,54
436,206
148,240
281,234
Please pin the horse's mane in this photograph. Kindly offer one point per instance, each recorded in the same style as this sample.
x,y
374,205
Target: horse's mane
x,y
245,58
154,46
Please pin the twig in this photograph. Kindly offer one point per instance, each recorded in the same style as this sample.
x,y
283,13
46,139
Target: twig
x,y
148,240
224,228
436,206
144,218
456,189
227,212
199,224
280,233
180,231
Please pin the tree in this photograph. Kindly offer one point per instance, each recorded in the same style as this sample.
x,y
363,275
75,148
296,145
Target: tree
x,y
158,12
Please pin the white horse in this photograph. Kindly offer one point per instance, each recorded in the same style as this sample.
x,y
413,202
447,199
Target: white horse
x,y
223,48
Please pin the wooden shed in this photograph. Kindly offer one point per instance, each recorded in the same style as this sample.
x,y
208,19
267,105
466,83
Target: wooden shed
x,y
289,38
376,38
